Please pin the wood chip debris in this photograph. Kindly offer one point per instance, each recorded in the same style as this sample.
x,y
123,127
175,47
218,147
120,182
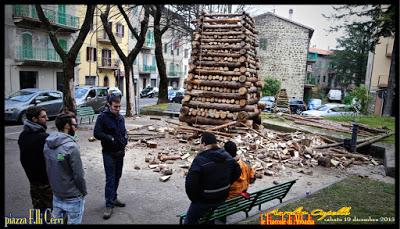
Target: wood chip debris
x,y
268,152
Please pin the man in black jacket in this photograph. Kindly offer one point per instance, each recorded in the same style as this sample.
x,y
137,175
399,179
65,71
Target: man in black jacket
x,y
110,130
209,178
31,142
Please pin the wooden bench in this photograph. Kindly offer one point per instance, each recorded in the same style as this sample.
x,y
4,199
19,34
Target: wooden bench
x,y
240,203
85,112
173,109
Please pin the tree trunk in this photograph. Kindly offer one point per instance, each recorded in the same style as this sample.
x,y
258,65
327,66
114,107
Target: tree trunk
x,y
390,98
163,87
68,90
128,85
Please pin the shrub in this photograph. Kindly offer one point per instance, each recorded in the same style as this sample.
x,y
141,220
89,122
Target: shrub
x,y
271,86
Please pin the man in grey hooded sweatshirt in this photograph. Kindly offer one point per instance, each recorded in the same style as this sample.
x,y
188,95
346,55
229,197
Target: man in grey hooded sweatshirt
x,y
65,171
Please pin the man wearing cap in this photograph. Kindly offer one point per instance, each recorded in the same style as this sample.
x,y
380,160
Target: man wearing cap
x,y
209,178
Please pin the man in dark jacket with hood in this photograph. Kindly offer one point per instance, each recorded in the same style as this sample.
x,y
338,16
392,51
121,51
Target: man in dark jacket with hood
x,y
65,171
31,142
110,130
209,178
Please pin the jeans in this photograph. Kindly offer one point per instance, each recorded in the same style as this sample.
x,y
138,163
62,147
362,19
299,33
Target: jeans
x,y
196,211
113,169
71,208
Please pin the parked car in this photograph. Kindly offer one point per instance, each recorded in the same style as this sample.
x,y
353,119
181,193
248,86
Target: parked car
x,y
297,106
332,109
335,95
149,92
269,103
178,97
17,103
92,96
314,103
171,94
114,91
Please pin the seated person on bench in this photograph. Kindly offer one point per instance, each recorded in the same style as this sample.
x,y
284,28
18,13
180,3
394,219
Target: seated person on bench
x,y
239,187
246,178
209,178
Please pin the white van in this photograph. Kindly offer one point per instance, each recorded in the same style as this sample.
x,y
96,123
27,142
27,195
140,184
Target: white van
x,y
335,95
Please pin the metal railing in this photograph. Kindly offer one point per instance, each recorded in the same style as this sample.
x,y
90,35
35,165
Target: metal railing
x,y
175,73
149,68
29,11
109,63
24,53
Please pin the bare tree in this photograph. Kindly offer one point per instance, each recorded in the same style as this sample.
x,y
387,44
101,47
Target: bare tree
x,y
157,12
69,58
127,60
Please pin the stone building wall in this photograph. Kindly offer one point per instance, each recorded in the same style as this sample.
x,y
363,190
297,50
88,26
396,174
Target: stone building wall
x,y
285,56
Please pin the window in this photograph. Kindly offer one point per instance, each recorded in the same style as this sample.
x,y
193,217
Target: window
x,y
106,57
91,54
185,69
63,44
135,62
171,68
153,63
61,14
172,50
324,79
144,59
27,46
186,53
102,92
106,81
90,80
27,79
177,51
92,93
263,44
120,30
153,82
165,48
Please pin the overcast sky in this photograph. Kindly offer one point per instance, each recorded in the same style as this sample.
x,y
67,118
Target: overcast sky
x,y
308,15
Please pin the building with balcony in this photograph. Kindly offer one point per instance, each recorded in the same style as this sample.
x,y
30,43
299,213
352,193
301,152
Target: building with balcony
x,y
377,75
30,58
319,68
283,48
100,63
176,53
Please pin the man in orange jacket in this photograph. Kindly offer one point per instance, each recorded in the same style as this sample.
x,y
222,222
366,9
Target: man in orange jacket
x,y
246,178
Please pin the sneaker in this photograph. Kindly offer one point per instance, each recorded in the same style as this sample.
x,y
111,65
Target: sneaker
x,y
118,203
107,213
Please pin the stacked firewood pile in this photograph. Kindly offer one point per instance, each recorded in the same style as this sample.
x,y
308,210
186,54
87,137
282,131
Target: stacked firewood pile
x,y
223,84
282,102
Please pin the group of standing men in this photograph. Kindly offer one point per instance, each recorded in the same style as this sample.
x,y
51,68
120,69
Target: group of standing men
x,y
54,168
53,165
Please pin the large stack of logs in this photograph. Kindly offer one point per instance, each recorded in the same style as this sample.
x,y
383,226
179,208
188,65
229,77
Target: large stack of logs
x,y
223,84
282,102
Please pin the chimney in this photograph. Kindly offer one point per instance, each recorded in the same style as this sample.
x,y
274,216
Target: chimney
x,y
290,14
